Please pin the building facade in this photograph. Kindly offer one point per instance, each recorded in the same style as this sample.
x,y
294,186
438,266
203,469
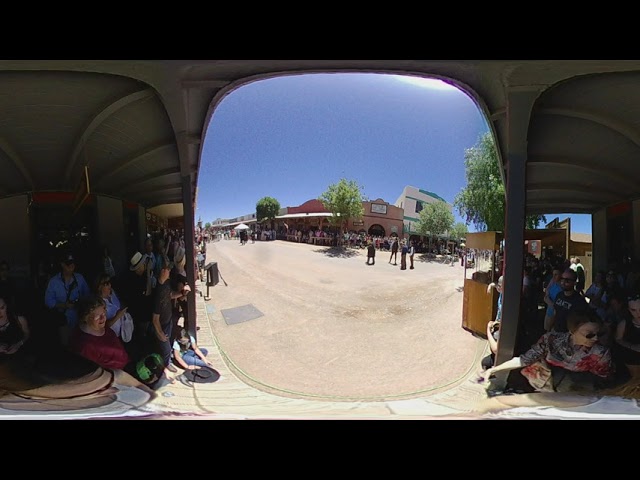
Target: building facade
x,y
380,218
412,201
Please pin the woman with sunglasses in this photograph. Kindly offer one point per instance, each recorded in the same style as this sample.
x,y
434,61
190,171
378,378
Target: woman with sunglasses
x,y
572,361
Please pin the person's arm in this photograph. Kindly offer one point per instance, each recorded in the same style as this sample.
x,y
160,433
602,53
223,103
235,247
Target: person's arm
x,y
50,297
547,299
202,356
25,328
552,319
155,320
493,344
119,314
511,364
537,352
176,294
179,360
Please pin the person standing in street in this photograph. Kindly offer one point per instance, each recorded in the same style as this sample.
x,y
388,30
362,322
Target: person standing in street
x,y
412,251
394,250
403,255
371,254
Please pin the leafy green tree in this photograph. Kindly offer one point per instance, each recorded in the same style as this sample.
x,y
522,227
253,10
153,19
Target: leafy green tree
x,y
435,219
482,202
207,225
344,200
267,208
458,231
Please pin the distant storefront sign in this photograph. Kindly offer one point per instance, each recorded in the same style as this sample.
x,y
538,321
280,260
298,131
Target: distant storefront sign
x,y
378,208
358,223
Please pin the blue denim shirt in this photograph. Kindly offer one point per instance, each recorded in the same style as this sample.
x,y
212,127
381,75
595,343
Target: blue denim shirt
x,y
57,293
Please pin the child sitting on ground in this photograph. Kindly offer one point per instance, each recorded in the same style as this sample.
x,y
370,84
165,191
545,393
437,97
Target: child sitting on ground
x,y
186,353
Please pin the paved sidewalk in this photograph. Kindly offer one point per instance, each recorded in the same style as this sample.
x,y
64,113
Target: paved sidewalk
x,y
232,398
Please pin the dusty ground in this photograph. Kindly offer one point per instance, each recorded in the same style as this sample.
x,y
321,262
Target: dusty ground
x,y
334,327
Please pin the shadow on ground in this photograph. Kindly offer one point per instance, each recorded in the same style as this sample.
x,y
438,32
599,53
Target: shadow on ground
x,y
425,258
337,252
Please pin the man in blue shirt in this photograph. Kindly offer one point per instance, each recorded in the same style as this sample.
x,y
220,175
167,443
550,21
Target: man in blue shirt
x,y
63,292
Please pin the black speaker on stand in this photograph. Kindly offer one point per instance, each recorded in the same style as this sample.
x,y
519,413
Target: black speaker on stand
x,y
213,276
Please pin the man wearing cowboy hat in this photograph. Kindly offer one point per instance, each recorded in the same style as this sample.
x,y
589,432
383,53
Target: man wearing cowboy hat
x,y
132,288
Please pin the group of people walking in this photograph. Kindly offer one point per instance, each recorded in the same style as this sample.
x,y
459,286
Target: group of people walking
x,y
406,249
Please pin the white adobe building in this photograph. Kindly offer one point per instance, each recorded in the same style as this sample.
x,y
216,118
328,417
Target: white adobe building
x,y
412,200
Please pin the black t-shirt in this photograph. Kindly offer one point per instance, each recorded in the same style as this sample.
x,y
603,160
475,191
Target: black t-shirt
x,y
11,333
162,304
563,305
131,288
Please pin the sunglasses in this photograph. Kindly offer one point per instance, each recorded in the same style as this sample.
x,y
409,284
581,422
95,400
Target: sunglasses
x,y
565,279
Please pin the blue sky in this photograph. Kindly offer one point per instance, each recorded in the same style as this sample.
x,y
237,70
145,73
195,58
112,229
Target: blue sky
x,y
291,137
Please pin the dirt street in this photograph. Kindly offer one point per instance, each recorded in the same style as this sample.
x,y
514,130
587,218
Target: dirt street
x,y
336,328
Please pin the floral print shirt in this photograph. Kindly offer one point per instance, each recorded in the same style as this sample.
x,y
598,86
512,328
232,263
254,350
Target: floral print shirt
x,y
555,349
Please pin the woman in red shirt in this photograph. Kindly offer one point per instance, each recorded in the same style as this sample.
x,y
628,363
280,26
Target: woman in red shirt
x,y
93,340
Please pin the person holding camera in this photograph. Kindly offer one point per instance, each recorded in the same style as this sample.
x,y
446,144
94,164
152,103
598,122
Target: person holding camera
x,y
62,294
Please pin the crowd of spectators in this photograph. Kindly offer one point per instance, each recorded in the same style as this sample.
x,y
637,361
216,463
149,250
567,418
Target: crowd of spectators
x,y
120,320
572,338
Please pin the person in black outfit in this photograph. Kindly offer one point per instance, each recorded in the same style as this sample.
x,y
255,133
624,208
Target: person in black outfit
x,y
394,250
371,254
626,348
131,286
14,330
567,300
162,319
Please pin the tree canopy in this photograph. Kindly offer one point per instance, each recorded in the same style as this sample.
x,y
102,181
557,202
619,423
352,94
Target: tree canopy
x,y
482,202
458,231
435,219
344,200
267,208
